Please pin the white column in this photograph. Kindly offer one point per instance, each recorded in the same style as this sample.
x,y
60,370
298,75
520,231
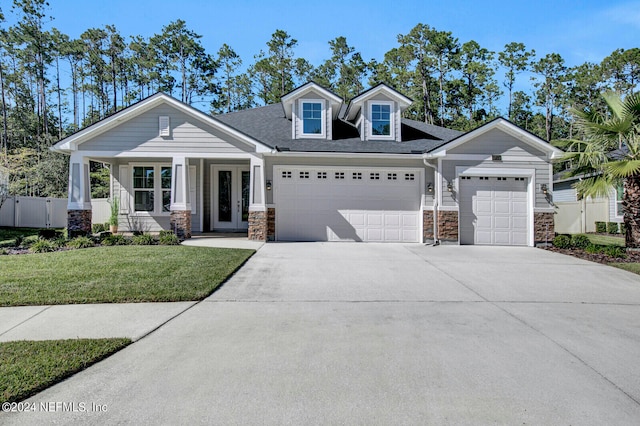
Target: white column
x,y
79,183
257,189
180,184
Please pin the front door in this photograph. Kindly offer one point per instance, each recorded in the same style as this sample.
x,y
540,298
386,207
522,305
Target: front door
x,y
230,203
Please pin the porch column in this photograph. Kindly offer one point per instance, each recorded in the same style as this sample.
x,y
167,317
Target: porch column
x,y
79,204
180,204
257,201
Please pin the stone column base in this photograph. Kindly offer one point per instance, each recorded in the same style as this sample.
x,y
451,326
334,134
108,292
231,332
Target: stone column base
x,y
181,224
543,228
427,226
258,225
78,223
271,224
447,225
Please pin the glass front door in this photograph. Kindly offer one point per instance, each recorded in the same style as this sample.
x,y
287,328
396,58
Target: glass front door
x,y
230,203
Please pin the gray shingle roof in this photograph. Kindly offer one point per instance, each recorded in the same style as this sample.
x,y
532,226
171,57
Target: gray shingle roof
x,y
269,125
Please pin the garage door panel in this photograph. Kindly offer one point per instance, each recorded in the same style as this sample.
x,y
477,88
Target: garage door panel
x,y
373,208
494,211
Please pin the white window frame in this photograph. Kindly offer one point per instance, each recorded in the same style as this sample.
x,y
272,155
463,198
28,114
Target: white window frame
x,y
323,118
157,189
392,121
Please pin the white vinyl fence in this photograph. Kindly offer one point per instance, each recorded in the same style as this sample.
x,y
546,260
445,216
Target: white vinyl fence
x,y
36,212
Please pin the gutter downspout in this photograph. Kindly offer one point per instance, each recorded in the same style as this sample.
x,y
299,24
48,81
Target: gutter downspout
x,y
436,241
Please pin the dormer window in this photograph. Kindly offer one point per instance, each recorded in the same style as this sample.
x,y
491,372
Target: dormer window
x,y
381,120
312,118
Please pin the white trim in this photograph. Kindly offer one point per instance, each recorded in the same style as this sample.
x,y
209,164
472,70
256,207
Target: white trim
x,y
489,158
289,99
157,189
201,198
167,155
449,209
236,222
507,127
437,176
392,120
530,174
352,110
344,155
300,119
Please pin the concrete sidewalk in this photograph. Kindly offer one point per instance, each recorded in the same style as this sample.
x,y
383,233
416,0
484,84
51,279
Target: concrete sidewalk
x,y
132,320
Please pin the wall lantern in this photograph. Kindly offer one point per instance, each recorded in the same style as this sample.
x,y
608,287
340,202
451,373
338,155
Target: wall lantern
x,y
268,185
430,187
450,187
544,189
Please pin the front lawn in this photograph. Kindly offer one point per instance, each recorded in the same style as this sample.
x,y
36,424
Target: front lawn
x,y
116,274
631,267
8,235
28,367
606,240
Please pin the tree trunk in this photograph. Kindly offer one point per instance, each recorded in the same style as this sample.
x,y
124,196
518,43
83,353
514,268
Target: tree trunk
x,y
59,98
5,133
631,207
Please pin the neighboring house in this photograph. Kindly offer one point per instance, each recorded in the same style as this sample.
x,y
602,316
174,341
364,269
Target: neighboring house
x,y
575,215
314,169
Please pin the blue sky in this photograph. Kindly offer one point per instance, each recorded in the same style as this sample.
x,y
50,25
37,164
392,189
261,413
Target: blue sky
x,y
579,30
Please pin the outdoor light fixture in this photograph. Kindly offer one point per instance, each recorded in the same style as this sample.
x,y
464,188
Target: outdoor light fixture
x,y
450,187
268,185
544,189
430,187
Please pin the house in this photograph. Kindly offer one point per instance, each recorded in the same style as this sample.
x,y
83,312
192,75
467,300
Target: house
x,y
313,168
575,215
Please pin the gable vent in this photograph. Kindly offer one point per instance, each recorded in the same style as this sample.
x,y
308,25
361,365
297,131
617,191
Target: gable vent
x,y
165,129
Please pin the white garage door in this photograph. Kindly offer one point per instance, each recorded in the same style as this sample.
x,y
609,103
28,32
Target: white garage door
x,y
494,210
347,204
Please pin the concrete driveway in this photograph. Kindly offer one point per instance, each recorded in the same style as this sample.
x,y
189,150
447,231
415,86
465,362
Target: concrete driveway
x,y
341,333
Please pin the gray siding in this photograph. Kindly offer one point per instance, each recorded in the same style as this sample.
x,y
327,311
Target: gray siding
x,y
188,135
297,115
563,192
613,216
449,173
396,118
122,187
497,142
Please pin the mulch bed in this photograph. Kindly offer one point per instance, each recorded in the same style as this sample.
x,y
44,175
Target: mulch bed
x,y
632,256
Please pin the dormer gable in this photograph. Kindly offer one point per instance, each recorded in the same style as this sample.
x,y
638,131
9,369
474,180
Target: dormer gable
x,y
312,110
377,113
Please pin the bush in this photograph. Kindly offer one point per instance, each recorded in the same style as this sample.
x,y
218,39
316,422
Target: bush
x,y
80,243
28,241
562,241
3,252
43,246
623,229
593,249
580,241
17,242
115,240
96,228
143,240
601,227
168,239
615,251
612,227
49,234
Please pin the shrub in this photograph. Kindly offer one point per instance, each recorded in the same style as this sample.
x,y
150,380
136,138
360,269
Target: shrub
x,y
60,241
96,228
17,242
593,248
115,240
612,227
143,240
42,246
623,229
562,241
80,243
601,227
168,239
49,234
3,252
28,241
615,251
580,241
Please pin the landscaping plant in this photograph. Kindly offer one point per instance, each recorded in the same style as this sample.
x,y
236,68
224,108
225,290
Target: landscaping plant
x,y
562,241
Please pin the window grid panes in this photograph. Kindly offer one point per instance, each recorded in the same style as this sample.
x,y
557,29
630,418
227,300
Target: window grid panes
x,y
165,179
143,189
381,120
312,118
619,194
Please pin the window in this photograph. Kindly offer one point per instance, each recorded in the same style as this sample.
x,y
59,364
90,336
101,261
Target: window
x,y
392,176
286,175
312,118
322,175
409,176
619,193
339,175
304,175
381,120
374,176
151,183
356,176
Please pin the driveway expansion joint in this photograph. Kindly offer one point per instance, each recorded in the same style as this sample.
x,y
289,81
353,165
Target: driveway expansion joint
x,y
28,319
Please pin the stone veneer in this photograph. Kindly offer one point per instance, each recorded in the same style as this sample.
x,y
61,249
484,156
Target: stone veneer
x,y
543,230
271,224
78,222
258,225
427,225
181,223
447,225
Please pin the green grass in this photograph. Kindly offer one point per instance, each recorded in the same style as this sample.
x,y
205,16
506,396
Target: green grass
x,y
28,367
8,235
116,274
631,267
606,240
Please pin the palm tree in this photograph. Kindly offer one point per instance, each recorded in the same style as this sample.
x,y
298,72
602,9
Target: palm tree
x,y
609,154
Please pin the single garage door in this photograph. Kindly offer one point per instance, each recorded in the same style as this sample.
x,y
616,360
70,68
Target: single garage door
x,y
347,204
494,210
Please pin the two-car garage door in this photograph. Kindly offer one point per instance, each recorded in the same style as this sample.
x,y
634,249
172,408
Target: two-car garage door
x,y
347,204
494,210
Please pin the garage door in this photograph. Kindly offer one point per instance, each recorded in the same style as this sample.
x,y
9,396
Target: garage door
x,y
347,204
494,210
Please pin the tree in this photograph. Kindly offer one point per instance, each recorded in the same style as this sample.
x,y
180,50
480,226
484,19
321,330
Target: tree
x,y
622,70
550,85
515,59
343,72
477,74
609,153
